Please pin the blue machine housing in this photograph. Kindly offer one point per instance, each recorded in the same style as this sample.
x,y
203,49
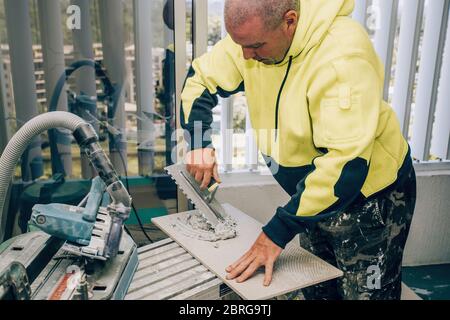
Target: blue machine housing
x,y
71,223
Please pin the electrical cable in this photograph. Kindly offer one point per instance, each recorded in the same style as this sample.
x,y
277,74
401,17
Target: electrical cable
x,y
126,230
141,225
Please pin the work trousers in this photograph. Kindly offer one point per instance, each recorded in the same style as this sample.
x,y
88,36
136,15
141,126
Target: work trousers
x,y
366,242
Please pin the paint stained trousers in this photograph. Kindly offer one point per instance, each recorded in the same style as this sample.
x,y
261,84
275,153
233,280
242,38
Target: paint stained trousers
x,y
366,242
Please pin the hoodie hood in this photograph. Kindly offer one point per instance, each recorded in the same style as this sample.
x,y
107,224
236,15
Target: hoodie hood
x,y
316,17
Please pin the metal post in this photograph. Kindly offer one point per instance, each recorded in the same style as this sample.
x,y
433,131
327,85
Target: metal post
x,y
7,94
226,125
384,37
180,56
24,82
360,12
251,152
144,85
180,76
448,149
441,130
4,138
200,27
226,133
54,66
111,24
4,124
405,74
85,77
429,74
3,117
168,82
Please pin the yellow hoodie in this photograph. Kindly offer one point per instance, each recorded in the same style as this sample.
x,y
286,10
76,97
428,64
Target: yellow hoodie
x,y
319,116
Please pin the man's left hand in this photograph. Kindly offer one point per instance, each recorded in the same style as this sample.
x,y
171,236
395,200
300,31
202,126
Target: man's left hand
x,y
263,253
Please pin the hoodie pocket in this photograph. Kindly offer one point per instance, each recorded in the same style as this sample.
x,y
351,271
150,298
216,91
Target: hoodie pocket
x,y
341,116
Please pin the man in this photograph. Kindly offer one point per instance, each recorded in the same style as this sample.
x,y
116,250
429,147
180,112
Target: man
x,y
314,82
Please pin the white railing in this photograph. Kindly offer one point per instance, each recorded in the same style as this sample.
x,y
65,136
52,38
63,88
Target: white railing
x,y
410,37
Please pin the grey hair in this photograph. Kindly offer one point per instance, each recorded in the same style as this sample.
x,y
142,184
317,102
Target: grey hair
x,y
270,11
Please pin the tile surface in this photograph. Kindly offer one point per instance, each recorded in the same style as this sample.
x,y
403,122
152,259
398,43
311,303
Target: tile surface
x,y
296,268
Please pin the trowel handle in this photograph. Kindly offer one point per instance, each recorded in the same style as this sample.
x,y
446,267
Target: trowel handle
x,y
213,185
212,189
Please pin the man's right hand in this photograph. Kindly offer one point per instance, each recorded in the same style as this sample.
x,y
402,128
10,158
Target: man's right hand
x,y
202,165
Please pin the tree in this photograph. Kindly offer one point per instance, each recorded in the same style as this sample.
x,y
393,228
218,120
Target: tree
x,y
215,30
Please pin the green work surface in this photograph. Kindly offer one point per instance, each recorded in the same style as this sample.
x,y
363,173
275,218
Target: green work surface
x,y
429,282
146,215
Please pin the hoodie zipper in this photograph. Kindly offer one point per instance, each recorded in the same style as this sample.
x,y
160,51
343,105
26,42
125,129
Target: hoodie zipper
x,y
279,97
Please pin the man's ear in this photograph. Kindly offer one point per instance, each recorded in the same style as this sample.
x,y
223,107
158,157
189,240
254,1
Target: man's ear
x,y
291,18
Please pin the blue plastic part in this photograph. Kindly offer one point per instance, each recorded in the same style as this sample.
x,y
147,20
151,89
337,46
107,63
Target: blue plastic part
x,y
106,201
74,224
94,200
63,221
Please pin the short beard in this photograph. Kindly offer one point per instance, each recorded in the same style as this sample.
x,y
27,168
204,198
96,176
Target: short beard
x,y
270,62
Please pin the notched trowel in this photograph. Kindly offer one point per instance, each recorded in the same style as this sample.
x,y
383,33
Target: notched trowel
x,y
204,200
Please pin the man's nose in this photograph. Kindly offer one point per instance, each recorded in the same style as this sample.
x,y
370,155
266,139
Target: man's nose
x,y
248,53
